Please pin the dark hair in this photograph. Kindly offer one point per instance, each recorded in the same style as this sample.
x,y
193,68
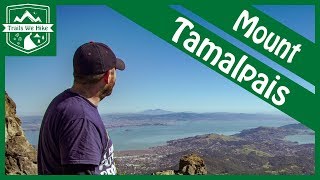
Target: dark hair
x,y
87,79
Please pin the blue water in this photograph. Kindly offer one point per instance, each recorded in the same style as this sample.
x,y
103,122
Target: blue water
x,y
142,137
301,139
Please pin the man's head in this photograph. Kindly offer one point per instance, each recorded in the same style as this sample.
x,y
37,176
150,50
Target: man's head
x,y
94,66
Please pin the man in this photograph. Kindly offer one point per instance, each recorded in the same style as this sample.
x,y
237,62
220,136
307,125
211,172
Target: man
x,y
73,138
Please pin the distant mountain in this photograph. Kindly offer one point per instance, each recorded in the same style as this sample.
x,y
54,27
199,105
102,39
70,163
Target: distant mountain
x,y
27,15
160,117
159,114
155,112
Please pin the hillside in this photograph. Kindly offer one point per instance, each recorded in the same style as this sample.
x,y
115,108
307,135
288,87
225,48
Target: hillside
x,y
255,151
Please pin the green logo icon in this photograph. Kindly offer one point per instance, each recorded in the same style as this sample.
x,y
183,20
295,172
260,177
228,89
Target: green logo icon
x,y
28,27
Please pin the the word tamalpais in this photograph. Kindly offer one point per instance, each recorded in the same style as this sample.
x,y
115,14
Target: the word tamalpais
x,y
226,62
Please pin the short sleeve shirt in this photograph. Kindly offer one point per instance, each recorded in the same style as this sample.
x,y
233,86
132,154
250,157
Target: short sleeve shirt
x,y
72,132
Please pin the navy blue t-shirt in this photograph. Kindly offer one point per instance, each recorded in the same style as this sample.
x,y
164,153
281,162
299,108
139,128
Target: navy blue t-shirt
x,y
72,132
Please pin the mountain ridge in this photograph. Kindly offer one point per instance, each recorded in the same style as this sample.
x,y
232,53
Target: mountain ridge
x,y
155,112
28,15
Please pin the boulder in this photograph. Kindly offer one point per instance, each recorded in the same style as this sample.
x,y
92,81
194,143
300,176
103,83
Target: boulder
x,y
192,164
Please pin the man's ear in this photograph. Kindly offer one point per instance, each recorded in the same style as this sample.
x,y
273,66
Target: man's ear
x,y
111,78
106,77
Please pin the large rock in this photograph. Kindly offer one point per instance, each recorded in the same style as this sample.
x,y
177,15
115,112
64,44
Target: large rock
x,y
21,157
192,164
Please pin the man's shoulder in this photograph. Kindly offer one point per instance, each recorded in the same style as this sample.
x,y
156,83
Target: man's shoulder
x,y
73,103
69,106
68,102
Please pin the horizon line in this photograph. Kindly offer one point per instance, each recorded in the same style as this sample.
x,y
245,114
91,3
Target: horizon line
x,y
171,112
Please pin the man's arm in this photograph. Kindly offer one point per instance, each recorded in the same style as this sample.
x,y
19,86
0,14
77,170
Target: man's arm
x,y
80,147
78,169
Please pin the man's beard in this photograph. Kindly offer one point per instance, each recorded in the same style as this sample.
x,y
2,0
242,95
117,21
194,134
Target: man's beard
x,y
105,92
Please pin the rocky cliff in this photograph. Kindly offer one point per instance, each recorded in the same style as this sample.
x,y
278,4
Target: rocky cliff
x,y
21,157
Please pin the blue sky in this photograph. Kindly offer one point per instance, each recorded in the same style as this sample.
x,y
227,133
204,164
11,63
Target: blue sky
x,y
157,75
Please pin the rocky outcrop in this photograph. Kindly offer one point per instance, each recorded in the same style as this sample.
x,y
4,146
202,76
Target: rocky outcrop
x,y
21,157
191,164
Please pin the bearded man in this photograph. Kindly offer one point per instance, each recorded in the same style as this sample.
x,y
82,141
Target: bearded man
x,y
73,138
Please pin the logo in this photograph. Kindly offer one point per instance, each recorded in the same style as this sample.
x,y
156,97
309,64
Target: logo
x,y
28,27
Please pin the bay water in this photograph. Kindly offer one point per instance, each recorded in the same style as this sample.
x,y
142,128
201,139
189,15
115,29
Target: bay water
x,y
143,137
